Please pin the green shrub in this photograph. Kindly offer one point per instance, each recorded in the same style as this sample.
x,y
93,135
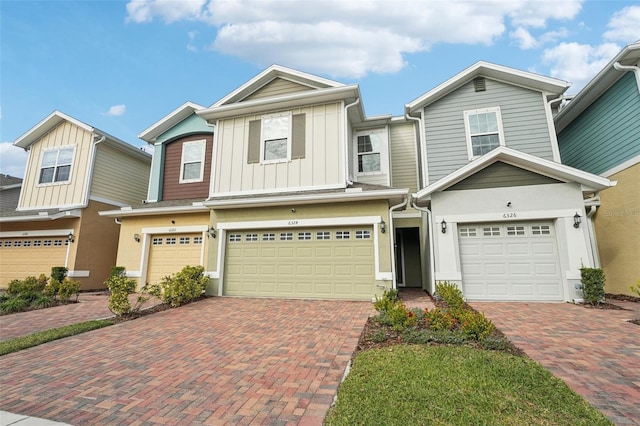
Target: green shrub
x,y
119,288
593,280
28,288
182,287
67,289
388,300
59,273
475,325
439,319
14,304
636,289
118,271
52,288
42,302
450,294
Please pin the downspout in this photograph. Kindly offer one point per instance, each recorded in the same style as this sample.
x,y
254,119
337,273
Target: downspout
x,y
90,169
432,261
392,240
636,71
347,141
421,170
592,236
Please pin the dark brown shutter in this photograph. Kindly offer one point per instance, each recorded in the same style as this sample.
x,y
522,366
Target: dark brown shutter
x,y
297,136
253,151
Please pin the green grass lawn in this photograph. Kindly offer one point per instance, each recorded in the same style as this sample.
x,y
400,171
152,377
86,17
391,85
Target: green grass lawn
x,y
455,385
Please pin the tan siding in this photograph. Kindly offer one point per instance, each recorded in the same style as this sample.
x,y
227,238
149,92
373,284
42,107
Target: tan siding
x,y
172,189
321,166
404,173
277,87
500,175
118,176
51,195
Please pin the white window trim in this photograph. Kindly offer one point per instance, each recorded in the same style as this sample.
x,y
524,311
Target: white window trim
x,y
203,146
384,149
467,131
289,137
62,182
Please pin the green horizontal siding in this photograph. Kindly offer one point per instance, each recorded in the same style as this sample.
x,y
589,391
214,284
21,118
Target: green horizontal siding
x,y
607,133
499,175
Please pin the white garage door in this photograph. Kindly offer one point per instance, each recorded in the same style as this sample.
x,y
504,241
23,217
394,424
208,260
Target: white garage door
x,y
515,261
331,263
23,257
170,253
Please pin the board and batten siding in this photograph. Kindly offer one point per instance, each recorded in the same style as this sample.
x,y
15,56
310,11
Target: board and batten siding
x,y
499,175
172,189
524,122
404,173
58,194
607,133
321,165
277,87
119,177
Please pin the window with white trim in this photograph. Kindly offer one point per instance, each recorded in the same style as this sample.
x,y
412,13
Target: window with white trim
x,y
157,241
47,243
55,166
304,236
275,144
363,234
57,243
343,235
192,162
185,240
286,236
515,230
235,238
27,243
541,229
484,130
492,231
467,232
251,237
323,235
370,147
37,243
268,237
17,243
7,243
171,241
197,240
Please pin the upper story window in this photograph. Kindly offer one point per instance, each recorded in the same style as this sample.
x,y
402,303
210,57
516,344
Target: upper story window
x,y
56,165
276,137
370,148
484,131
192,163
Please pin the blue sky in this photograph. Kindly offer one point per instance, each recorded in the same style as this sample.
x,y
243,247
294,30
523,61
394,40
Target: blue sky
x,y
121,66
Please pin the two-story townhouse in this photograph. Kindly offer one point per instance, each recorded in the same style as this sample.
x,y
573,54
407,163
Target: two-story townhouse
x,y
294,193
73,170
599,131
504,215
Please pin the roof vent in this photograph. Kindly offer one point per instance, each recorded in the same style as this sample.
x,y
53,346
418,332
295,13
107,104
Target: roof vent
x,y
479,84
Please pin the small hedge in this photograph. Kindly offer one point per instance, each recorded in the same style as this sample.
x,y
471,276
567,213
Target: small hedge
x,y
592,280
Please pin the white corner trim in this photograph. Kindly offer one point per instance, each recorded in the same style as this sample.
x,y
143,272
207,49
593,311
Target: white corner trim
x,y
78,274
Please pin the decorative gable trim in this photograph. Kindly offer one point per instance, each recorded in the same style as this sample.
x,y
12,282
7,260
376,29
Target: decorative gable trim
x,y
167,122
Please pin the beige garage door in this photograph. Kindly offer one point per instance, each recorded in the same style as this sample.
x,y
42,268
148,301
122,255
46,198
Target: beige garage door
x,y
515,261
331,263
170,253
22,257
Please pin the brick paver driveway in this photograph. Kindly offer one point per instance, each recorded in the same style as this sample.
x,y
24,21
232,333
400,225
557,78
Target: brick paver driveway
x,y
596,352
217,361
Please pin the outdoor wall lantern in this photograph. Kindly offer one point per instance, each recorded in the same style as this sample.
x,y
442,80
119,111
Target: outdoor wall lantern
x,y
136,237
443,226
577,220
212,232
70,237
383,226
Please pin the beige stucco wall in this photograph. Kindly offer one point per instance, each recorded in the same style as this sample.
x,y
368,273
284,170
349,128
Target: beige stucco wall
x,y
302,213
617,224
58,194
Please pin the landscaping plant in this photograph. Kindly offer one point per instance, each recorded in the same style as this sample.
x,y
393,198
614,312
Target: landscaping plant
x,y
120,287
450,294
182,287
592,286
636,289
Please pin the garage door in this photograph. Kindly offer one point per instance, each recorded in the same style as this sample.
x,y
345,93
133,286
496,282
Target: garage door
x,y
515,261
170,253
328,263
22,257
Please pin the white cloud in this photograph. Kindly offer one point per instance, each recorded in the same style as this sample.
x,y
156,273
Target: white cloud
x,y
13,160
624,26
351,38
578,63
190,46
117,110
523,38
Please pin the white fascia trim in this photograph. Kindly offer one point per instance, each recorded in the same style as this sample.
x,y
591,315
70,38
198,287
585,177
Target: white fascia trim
x,y
522,160
333,94
306,199
499,216
174,229
108,201
78,274
299,223
168,121
66,208
622,166
42,216
36,233
48,123
128,211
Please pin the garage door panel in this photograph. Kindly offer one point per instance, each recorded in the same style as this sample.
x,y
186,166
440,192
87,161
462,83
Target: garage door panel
x,y
324,263
22,257
510,262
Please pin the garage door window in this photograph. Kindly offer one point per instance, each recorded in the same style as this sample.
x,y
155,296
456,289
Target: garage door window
x,y
185,240
197,240
47,243
515,230
468,232
286,236
323,235
171,241
157,241
343,235
251,237
541,230
491,232
268,237
235,238
304,236
363,234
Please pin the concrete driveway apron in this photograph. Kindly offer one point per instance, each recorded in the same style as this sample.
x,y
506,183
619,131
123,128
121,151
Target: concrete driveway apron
x,y
595,351
217,361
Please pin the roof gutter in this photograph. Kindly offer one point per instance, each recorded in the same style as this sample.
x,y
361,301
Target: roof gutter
x,y
635,69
